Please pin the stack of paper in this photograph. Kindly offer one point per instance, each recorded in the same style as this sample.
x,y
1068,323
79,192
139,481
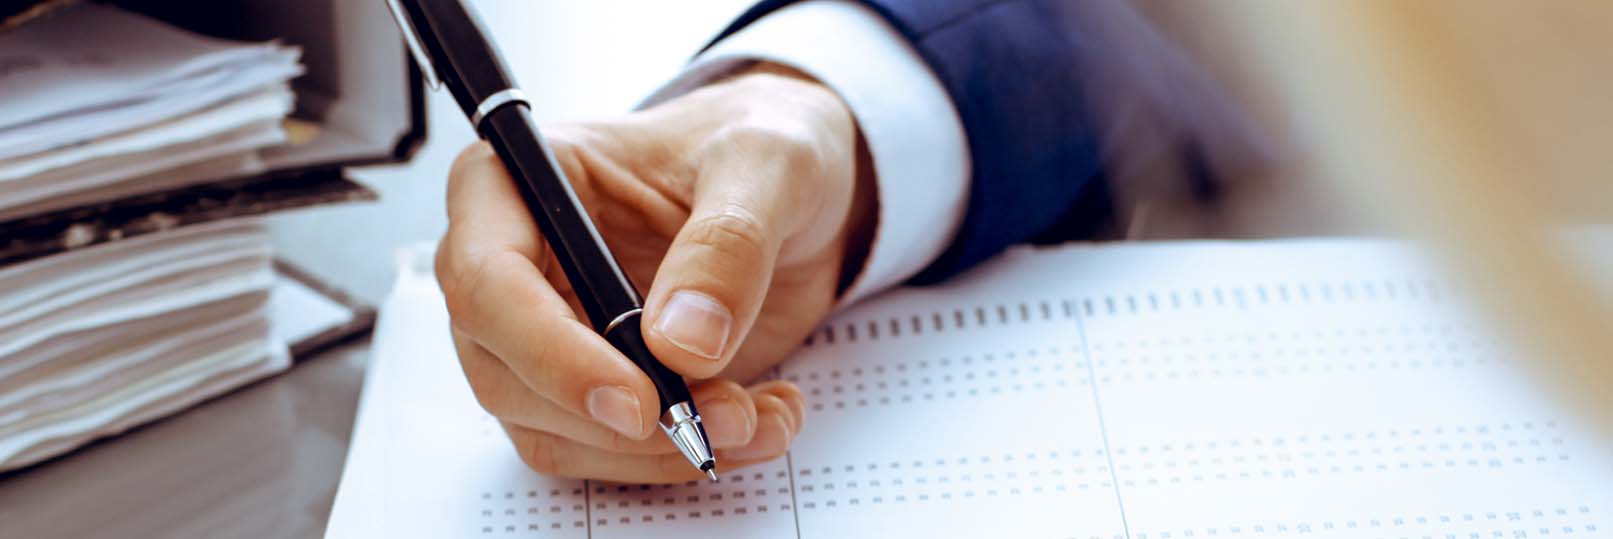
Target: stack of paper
x,y
97,340
102,103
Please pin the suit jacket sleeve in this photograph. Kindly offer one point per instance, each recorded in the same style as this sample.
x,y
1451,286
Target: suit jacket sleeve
x,y
1014,72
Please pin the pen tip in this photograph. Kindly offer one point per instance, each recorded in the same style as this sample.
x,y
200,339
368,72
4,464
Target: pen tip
x,y
712,473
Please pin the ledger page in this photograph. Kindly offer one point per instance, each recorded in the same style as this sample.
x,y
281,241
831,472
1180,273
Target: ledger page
x,y
1332,388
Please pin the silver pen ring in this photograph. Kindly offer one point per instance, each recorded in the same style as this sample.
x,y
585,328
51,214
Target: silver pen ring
x,y
493,102
619,319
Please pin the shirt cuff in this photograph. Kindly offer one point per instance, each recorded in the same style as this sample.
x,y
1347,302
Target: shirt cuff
x,y
921,159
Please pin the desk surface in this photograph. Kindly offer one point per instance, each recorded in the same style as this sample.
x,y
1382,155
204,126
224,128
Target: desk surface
x,y
260,462
264,461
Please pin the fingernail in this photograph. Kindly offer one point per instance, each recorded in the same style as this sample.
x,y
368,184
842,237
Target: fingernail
x,y
771,440
617,408
725,422
696,323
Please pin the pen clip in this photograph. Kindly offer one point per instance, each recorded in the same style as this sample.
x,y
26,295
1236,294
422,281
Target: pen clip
x,y
412,38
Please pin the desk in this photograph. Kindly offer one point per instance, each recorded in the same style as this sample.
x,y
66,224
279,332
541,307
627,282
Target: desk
x,y
264,461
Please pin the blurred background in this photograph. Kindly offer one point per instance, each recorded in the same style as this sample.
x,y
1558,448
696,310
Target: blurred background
x,y
1482,127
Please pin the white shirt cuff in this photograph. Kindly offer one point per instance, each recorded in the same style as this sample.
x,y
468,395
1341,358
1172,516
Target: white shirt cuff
x,y
917,142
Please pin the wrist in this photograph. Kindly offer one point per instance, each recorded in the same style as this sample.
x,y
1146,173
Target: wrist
x,y
862,219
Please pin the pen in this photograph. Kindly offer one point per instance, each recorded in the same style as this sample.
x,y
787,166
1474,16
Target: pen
x,y
452,49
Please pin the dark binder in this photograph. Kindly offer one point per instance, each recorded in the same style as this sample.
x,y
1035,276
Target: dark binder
x,y
361,100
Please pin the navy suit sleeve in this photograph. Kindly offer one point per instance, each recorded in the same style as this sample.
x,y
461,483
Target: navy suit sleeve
x,y
1014,75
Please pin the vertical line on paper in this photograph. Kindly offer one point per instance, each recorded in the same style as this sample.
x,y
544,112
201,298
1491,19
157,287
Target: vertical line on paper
x,y
588,506
1103,428
795,509
789,470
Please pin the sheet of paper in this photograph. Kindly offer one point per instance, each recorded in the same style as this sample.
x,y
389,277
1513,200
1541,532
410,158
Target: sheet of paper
x,y
84,128
106,360
73,77
267,106
236,165
193,373
299,312
81,57
1273,389
55,297
97,340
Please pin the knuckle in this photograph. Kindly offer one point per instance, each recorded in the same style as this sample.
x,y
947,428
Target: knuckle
x,y
569,143
763,133
561,139
534,365
540,452
442,262
486,386
722,388
784,389
734,233
460,283
474,156
620,443
542,370
488,398
791,146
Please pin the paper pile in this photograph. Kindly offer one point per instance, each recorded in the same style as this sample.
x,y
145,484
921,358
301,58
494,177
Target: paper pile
x,y
97,340
87,117
101,104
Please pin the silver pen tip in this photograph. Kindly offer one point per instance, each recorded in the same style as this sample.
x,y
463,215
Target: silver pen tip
x,y
682,425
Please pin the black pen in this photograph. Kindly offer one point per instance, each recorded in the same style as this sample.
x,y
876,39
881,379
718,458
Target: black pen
x,y
452,48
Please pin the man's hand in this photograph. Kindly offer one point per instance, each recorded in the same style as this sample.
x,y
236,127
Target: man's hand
x,y
738,204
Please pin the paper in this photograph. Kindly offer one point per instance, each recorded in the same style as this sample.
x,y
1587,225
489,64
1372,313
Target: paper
x,y
264,107
149,276
234,165
299,312
74,77
1274,389
97,340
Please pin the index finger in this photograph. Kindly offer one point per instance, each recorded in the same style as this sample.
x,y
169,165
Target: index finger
x,y
488,268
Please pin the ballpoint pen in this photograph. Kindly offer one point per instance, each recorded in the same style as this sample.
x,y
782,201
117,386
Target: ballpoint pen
x,y
452,49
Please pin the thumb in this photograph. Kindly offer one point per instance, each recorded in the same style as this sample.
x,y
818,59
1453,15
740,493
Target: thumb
x,y
710,286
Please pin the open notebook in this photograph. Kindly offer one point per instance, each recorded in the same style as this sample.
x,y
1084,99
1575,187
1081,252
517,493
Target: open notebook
x,y
1273,389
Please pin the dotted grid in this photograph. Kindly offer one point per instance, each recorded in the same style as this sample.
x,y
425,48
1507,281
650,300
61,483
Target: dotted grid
x,y
1235,354
1053,368
736,494
1185,358
1277,457
1005,474
1293,353
1174,301
1307,455
533,510
917,381
1572,522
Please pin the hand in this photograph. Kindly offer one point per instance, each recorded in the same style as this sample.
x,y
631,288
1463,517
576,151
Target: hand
x,y
742,205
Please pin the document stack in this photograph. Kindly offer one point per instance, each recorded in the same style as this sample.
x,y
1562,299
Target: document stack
x,y
99,336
